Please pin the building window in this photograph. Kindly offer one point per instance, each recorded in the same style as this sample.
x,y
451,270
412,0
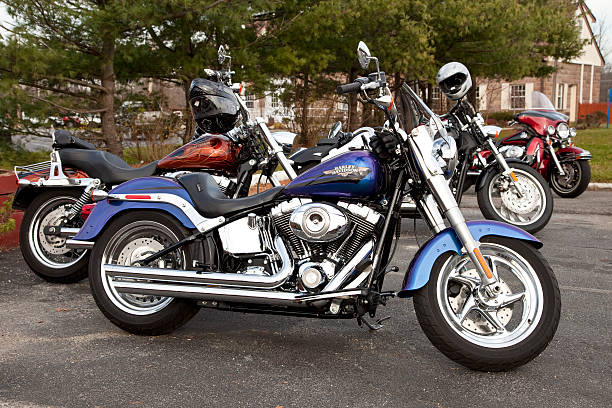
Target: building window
x,y
275,101
560,94
250,100
435,93
517,96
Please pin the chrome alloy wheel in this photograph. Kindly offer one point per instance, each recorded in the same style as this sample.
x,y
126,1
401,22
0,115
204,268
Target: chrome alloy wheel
x,y
517,209
51,250
501,316
131,244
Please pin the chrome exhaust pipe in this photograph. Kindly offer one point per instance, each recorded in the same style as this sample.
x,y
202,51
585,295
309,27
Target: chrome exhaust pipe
x,y
208,278
229,294
68,232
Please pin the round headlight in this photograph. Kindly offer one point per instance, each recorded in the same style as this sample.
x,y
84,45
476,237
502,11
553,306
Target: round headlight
x,y
550,129
572,132
563,130
444,150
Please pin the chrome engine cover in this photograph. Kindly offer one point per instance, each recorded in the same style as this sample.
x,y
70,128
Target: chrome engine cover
x,y
319,222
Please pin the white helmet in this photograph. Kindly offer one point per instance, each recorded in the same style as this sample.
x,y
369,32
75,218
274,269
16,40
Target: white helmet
x,y
454,80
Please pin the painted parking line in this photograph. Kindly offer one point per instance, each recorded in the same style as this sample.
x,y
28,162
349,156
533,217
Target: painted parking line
x,y
589,290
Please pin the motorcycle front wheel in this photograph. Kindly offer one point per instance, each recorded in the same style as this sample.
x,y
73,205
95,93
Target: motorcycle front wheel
x,y
125,241
574,182
497,329
47,255
499,199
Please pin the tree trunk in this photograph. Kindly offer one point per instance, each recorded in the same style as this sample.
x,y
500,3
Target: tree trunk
x,y
187,116
109,130
304,120
353,118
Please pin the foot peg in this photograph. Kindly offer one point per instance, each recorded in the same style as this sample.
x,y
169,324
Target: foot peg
x,y
372,326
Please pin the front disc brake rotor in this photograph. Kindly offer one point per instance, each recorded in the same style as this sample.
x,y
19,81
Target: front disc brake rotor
x,y
524,204
474,321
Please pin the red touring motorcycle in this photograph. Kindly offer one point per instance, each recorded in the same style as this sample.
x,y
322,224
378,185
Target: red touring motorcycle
x,y
544,140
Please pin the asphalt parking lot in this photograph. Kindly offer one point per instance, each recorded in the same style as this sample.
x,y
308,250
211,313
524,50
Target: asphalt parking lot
x,y
57,349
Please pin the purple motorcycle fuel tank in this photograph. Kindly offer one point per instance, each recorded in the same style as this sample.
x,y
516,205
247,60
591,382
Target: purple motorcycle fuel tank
x,y
356,174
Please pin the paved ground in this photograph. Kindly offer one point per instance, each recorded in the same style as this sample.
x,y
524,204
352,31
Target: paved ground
x,y
56,348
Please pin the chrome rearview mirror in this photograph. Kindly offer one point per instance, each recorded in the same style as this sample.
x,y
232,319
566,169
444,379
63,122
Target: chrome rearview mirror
x,y
333,132
221,54
363,54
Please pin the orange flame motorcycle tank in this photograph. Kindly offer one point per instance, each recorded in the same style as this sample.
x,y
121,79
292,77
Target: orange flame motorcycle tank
x,y
209,152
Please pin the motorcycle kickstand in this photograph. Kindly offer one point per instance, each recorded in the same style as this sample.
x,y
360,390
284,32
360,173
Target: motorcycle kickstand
x,y
372,326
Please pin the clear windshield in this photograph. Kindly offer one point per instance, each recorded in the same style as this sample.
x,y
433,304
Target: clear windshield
x,y
539,101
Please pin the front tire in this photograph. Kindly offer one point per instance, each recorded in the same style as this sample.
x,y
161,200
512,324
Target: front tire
x,y
497,333
128,239
576,180
47,255
498,199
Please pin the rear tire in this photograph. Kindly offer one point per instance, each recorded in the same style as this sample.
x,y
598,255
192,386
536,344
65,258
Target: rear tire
x,y
500,209
571,188
127,239
47,256
467,336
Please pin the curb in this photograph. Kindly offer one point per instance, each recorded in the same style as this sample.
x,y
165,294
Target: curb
x,y
600,186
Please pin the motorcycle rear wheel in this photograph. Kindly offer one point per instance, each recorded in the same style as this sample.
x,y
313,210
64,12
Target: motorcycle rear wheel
x,y
580,173
506,206
491,333
47,255
126,240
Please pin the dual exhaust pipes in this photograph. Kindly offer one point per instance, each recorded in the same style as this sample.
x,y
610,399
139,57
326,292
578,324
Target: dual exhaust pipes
x,y
231,287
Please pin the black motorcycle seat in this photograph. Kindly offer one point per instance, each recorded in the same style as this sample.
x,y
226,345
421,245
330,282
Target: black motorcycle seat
x,y
65,140
211,202
107,167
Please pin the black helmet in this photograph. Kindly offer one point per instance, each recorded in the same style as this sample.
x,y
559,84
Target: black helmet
x,y
454,80
214,106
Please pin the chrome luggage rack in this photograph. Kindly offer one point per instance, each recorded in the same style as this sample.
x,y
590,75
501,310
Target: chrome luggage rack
x,y
43,169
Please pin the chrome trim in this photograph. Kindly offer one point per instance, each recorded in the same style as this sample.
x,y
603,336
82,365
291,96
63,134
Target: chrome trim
x,y
201,223
228,294
75,244
68,232
349,268
208,278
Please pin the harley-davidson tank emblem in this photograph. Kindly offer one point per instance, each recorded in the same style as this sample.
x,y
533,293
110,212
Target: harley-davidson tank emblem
x,y
347,170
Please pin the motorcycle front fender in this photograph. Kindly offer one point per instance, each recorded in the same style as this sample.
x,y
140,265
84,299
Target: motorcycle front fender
x,y
446,241
105,210
573,153
492,167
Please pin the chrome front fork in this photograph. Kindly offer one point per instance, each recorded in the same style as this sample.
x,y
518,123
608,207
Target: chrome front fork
x,y
507,170
421,145
556,159
450,208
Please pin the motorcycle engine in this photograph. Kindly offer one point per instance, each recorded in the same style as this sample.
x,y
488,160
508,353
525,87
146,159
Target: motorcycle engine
x,y
323,236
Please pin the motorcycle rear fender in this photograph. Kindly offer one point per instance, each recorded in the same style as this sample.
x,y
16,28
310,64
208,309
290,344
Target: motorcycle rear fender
x,y
419,271
492,167
105,210
25,194
573,153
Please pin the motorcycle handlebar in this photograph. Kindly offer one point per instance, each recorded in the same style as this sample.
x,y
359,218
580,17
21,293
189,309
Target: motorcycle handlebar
x,y
349,88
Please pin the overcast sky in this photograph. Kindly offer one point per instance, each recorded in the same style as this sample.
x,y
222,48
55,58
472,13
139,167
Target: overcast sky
x,y
602,9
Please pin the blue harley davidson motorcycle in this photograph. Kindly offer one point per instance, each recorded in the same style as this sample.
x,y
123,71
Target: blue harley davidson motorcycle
x,y
320,246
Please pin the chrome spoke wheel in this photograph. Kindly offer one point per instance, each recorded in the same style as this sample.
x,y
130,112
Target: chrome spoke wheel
x,y
524,206
494,317
51,250
130,245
